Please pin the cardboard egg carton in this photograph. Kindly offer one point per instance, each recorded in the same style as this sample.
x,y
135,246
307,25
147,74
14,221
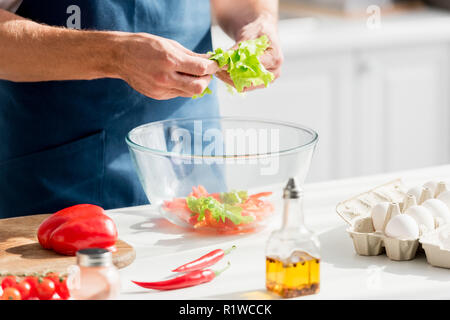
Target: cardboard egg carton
x,y
367,242
437,255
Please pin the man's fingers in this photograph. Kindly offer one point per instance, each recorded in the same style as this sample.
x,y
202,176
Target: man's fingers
x,y
276,72
191,84
235,46
225,77
165,93
272,59
268,60
261,86
180,93
197,66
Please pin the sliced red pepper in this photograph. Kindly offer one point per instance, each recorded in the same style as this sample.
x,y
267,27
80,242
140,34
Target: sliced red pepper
x,y
204,261
190,279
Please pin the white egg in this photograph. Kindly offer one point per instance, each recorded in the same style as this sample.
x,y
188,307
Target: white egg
x,y
378,214
432,185
445,197
416,192
422,216
402,226
438,209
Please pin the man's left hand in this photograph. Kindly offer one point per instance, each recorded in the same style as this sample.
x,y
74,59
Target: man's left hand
x,y
272,59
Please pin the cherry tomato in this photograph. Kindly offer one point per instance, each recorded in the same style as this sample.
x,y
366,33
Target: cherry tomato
x,y
24,289
11,293
33,282
60,285
62,290
54,277
45,289
8,281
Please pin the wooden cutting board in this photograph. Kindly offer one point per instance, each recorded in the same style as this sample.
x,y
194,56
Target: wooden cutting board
x,y
21,253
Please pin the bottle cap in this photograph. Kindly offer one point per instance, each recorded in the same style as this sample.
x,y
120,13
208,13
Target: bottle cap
x,y
94,257
291,191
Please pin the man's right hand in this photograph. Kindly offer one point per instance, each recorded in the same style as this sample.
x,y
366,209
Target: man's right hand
x,y
157,67
161,68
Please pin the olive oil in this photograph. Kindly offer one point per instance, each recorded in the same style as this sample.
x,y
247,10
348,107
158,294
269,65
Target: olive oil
x,y
297,276
292,252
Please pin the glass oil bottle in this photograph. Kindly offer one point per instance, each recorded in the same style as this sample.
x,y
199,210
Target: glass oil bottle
x,y
292,252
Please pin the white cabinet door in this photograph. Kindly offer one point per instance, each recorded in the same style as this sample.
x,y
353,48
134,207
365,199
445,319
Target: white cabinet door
x,y
402,108
314,91
375,111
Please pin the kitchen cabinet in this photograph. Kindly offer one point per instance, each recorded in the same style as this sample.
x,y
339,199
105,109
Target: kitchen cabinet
x,y
403,108
378,99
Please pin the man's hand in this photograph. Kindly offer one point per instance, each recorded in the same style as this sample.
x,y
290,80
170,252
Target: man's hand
x,y
162,69
250,19
157,67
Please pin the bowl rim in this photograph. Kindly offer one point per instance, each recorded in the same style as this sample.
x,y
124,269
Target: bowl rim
x,y
311,143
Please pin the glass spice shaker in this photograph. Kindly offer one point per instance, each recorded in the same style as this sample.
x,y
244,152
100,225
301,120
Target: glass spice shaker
x,y
95,277
292,252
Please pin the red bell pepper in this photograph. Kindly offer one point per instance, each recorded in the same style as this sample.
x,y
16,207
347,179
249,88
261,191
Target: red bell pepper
x,y
78,227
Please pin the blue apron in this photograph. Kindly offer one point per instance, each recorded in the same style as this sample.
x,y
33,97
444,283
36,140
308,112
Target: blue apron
x,y
62,143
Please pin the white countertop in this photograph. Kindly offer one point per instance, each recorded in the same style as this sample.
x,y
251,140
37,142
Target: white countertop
x,y
161,246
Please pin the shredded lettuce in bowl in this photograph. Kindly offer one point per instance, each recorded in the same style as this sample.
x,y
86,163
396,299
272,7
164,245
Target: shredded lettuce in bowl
x,y
243,64
219,211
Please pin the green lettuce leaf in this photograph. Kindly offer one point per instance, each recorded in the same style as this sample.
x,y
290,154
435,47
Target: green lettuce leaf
x,y
219,211
244,66
206,91
233,197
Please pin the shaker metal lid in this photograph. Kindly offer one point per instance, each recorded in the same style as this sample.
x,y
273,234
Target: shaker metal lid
x,y
291,191
94,257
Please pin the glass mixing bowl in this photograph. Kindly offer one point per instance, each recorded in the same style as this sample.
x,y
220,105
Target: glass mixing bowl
x,y
224,175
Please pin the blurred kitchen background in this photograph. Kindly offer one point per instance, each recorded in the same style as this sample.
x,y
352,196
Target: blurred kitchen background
x,y
376,94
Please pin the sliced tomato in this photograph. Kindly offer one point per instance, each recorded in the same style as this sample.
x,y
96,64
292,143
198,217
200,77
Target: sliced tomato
x,y
202,191
199,192
216,196
257,208
177,203
212,222
254,207
201,224
261,194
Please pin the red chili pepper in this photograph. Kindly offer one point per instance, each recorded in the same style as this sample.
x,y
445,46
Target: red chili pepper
x,y
204,261
78,227
190,279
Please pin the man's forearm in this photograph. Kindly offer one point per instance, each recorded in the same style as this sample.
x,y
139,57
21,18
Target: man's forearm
x,y
233,15
33,52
